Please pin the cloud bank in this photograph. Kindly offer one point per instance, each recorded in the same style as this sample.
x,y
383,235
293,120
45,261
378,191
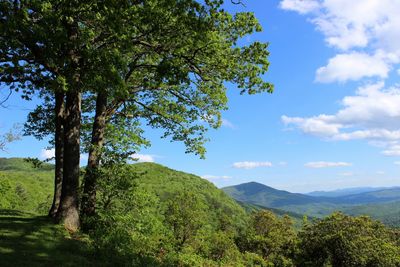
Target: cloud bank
x,y
373,114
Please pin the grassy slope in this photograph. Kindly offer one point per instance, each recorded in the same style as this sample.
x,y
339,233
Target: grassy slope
x,y
30,240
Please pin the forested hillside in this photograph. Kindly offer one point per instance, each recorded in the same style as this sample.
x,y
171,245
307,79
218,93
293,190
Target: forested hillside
x,y
150,215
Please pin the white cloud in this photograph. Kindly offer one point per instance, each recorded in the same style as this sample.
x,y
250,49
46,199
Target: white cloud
x,y
367,30
380,172
301,6
251,164
372,114
143,157
214,177
352,66
47,154
346,174
320,125
397,162
393,150
283,163
228,124
326,164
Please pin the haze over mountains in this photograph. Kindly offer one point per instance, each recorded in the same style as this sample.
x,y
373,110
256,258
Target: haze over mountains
x,y
380,203
346,191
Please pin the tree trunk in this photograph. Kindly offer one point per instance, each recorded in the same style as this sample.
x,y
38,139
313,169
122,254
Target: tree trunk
x,y
68,212
88,206
59,152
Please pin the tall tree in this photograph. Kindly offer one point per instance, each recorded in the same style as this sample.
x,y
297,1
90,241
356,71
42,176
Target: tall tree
x,y
164,61
41,48
175,61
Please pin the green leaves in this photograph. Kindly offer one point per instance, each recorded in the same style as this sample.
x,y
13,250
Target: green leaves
x,y
341,240
168,61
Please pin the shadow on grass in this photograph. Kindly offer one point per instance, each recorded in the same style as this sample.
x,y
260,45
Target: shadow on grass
x,y
28,240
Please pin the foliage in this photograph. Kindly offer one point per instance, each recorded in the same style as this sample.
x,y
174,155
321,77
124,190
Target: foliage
x,y
340,240
166,62
146,224
388,213
271,237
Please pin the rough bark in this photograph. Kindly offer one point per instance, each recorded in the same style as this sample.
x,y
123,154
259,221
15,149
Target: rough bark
x,y
59,152
88,206
68,212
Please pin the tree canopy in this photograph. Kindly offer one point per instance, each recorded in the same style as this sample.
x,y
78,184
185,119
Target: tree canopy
x,y
162,63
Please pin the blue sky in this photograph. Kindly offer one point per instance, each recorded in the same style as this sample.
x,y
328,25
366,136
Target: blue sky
x,y
333,120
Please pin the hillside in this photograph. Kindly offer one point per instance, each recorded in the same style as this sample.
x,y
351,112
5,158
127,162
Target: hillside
x,y
345,191
19,164
141,209
388,213
378,204
165,183
25,188
150,215
29,189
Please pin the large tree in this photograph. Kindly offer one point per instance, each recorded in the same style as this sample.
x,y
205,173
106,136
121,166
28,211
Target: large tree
x,y
45,46
166,62
175,62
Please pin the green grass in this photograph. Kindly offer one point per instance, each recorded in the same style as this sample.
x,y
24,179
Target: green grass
x,y
30,240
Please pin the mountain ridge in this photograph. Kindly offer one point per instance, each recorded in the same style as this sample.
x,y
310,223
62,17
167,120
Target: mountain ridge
x,y
366,203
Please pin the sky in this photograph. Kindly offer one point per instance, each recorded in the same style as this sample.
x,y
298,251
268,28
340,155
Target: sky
x,y
332,122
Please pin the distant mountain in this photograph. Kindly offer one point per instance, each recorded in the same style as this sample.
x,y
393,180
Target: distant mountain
x,y
266,196
317,206
346,191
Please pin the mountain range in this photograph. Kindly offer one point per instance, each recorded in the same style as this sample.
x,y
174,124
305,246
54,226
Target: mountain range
x,y
380,203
